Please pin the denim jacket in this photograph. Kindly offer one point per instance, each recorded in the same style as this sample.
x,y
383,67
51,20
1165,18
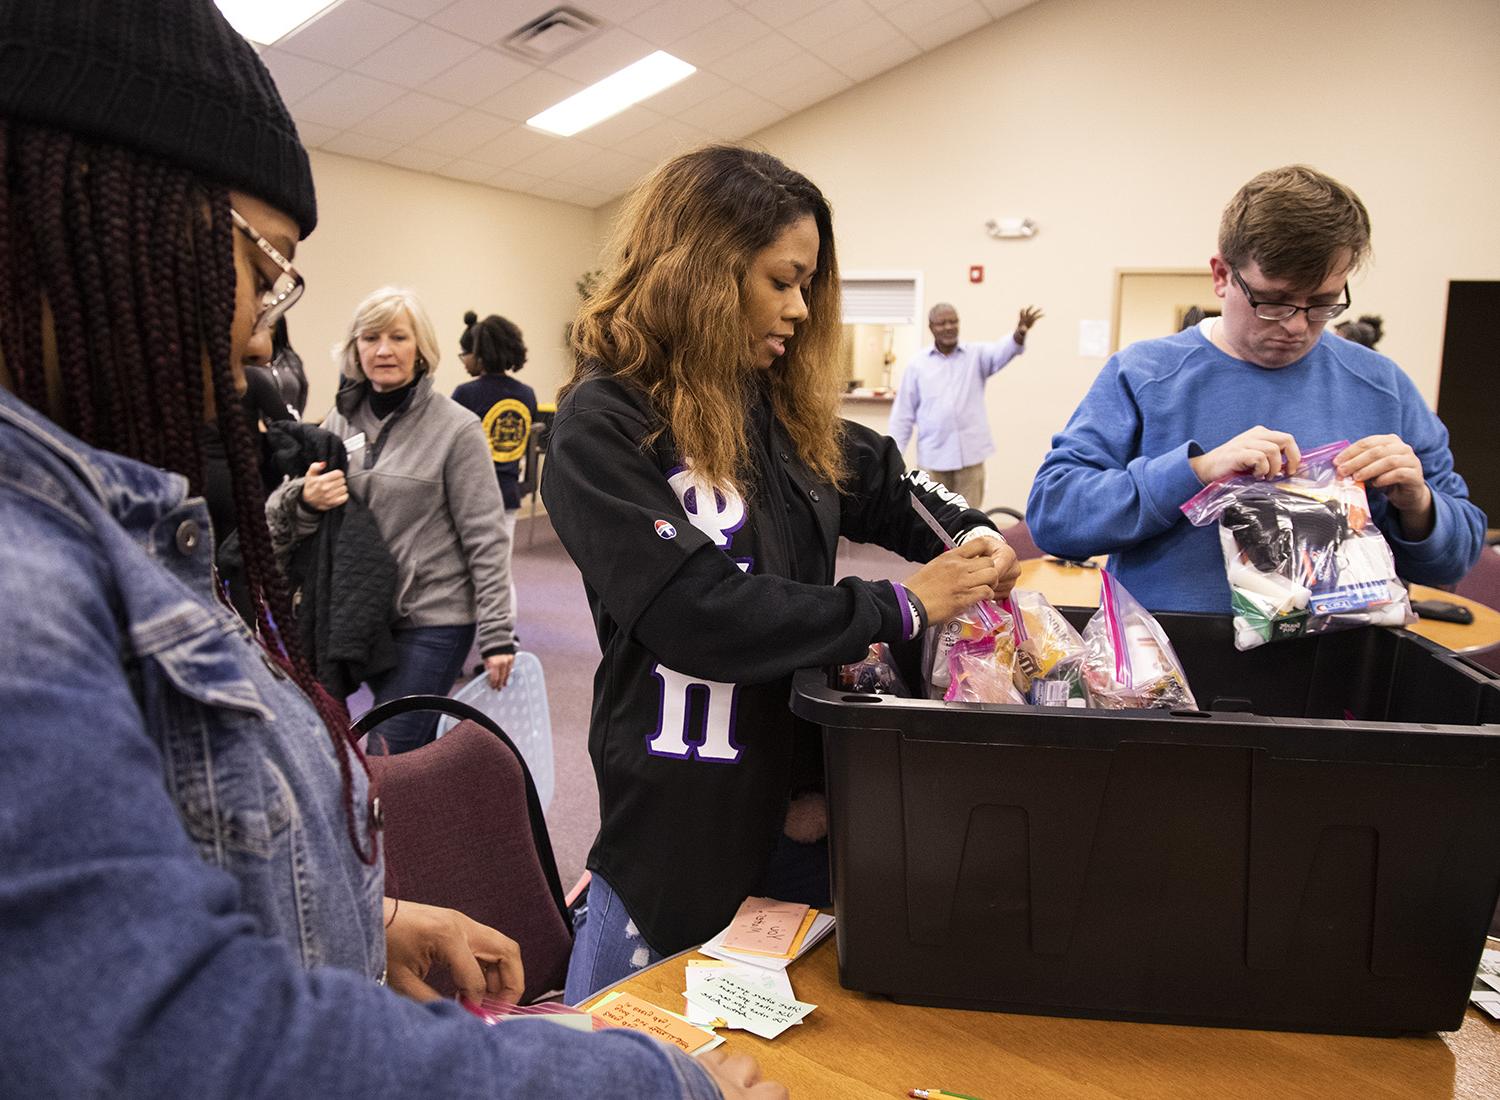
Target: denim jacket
x,y
181,909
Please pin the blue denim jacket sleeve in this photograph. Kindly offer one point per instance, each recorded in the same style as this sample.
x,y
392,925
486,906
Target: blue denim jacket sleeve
x,y
130,967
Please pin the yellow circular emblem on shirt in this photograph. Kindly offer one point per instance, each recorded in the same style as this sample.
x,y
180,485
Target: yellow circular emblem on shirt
x,y
507,424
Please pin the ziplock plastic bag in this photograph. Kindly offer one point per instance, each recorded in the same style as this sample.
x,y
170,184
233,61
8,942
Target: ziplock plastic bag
x,y
1128,661
1047,664
1301,553
982,620
875,675
979,671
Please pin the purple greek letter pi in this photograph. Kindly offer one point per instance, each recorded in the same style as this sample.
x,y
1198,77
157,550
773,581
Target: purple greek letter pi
x,y
720,702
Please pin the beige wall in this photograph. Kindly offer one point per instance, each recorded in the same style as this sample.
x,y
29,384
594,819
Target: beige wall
x,y
458,245
1123,128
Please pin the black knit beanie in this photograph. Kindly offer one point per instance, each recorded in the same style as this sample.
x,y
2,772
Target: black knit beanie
x,y
167,77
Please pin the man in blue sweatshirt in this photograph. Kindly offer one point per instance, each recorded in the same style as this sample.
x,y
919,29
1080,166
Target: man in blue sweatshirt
x,y
1247,393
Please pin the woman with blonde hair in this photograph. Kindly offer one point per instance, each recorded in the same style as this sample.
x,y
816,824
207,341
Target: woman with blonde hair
x,y
700,477
421,464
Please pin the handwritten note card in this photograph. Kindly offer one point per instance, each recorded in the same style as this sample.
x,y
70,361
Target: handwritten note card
x,y
774,982
765,927
628,1010
756,1012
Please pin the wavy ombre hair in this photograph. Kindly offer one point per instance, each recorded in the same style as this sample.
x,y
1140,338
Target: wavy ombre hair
x,y
669,317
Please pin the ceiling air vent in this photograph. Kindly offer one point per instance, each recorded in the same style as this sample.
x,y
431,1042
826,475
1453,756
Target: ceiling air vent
x,y
551,35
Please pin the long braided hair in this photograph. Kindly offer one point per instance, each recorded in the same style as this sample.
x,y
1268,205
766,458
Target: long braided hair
x,y
137,260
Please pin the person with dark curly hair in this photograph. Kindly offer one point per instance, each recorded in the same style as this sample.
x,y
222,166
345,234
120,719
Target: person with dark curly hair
x,y
492,351
190,875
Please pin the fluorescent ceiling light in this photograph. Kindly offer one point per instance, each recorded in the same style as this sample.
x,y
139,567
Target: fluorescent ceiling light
x,y
264,21
610,96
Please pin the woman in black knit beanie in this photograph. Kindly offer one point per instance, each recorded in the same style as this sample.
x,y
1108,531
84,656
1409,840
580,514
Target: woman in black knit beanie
x,y
190,883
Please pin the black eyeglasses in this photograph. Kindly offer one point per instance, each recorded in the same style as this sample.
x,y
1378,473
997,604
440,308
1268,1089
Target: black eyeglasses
x,y
1284,311
284,291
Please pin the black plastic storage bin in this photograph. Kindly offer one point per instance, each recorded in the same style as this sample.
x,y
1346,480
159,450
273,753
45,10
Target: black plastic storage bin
x,y
1317,849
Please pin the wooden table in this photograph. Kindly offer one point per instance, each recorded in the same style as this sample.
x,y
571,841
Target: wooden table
x,y
861,1047
1067,585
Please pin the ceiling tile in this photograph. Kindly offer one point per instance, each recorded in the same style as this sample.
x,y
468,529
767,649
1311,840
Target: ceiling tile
x,y
478,77
512,180
818,83
353,30
858,41
667,138
346,99
469,170
946,28
488,21
886,5
613,11
405,119
834,23
351,144
913,14
563,154
997,8
746,64
314,134
606,53
462,133
780,14
418,160
878,60
674,19
516,144
532,93
732,113
723,36
417,9
679,97
296,76
621,128
417,56
558,191
604,168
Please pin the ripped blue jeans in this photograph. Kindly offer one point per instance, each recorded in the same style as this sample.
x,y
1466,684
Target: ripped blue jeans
x,y
606,945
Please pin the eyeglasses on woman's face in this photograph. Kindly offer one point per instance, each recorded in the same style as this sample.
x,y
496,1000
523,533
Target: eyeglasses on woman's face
x,y
287,288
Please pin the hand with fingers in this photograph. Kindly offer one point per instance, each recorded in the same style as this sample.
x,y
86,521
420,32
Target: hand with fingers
x,y
958,578
323,492
1030,315
1007,565
738,1077
481,960
1387,463
497,666
1259,452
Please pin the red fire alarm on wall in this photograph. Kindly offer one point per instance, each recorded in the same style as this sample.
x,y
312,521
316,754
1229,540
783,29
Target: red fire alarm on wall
x,y
976,273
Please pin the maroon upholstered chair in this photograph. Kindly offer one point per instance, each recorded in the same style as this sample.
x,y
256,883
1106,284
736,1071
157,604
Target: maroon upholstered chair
x,y
464,830
1017,534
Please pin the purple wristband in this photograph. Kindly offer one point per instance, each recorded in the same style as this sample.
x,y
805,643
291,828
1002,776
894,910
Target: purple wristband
x,y
908,621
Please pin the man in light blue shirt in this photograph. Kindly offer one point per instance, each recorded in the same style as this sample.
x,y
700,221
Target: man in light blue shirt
x,y
942,395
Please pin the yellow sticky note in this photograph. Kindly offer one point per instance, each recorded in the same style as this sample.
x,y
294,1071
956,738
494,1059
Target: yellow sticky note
x,y
628,1010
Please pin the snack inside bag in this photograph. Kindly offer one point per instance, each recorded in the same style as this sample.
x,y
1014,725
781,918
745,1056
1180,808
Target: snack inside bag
x,y
877,674
982,620
1128,660
1301,553
1047,666
979,671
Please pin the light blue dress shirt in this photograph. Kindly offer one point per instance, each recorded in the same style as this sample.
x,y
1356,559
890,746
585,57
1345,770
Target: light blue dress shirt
x,y
943,397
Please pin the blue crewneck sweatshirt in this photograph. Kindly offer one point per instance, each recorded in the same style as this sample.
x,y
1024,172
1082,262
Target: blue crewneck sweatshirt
x,y
1118,474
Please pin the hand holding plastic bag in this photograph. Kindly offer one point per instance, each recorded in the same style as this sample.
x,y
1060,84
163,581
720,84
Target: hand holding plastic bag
x,y
1301,554
1128,661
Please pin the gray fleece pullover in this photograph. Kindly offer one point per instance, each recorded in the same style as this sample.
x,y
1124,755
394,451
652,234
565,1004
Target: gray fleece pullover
x,y
426,476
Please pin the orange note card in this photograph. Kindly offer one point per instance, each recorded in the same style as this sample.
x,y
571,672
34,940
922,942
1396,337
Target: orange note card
x,y
628,1010
765,927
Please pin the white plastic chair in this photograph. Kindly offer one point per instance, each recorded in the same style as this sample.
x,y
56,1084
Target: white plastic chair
x,y
521,711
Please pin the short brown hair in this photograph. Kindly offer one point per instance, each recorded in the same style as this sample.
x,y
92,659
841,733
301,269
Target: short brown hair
x,y
1297,224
